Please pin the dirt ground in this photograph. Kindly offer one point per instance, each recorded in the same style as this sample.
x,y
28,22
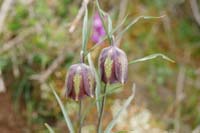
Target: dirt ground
x,y
10,121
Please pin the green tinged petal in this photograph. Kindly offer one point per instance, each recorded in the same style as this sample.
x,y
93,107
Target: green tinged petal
x,y
108,67
77,82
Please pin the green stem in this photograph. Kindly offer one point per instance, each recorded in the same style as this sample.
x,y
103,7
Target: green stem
x,y
79,115
101,111
103,22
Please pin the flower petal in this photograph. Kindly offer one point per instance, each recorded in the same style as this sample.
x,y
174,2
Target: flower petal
x,y
121,66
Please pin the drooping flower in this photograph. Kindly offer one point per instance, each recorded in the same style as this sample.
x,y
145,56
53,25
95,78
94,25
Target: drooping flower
x,y
98,29
113,65
80,82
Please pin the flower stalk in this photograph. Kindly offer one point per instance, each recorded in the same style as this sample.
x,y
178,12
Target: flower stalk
x,y
80,116
99,124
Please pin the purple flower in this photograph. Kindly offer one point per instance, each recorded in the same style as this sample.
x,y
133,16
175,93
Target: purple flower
x,y
98,29
113,65
80,82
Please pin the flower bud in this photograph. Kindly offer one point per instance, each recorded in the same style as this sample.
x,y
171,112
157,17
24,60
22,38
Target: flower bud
x,y
80,81
113,65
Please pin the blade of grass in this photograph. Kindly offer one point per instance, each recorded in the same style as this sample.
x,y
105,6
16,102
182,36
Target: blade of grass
x,y
66,117
151,57
135,21
85,30
100,118
49,128
126,104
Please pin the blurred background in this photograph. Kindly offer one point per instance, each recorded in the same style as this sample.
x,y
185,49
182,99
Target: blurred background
x,y
40,39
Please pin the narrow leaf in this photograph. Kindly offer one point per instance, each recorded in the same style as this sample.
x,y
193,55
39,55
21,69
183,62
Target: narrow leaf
x,y
109,92
85,30
151,57
126,104
109,25
98,82
119,25
49,128
66,117
102,12
135,21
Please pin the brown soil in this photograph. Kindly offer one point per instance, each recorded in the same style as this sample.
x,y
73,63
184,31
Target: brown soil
x,y
10,121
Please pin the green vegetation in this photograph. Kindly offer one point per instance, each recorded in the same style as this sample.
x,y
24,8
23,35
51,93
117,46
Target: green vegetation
x,y
39,32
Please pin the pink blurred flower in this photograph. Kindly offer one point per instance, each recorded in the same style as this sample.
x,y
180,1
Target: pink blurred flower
x,y
98,29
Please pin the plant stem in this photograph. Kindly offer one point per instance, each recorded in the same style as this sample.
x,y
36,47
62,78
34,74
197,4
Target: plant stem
x,y
103,22
79,115
101,111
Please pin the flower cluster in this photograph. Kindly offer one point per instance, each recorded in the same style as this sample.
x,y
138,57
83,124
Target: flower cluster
x,y
113,66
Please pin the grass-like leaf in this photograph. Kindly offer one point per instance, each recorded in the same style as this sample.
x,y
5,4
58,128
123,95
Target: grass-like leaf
x,y
66,117
98,83
151,57
135,21
85,32
49,128
120,24
109,25
109,92
126,104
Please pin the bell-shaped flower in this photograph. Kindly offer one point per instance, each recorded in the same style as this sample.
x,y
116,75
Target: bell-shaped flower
x,y
80,82
113,65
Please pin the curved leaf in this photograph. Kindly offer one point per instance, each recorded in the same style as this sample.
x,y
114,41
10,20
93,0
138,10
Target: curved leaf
x,y
151,57
66,117
49,128
126,104
135,21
